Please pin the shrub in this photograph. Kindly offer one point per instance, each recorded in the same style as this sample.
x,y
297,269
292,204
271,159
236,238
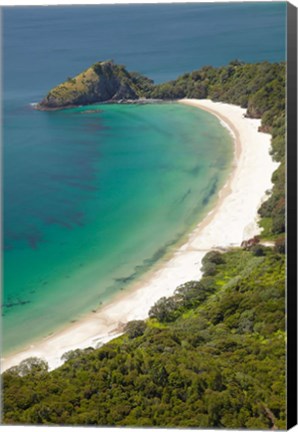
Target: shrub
x,y
258,250
209,269
194,292
164,310
73,354
280,246
214,257
135,328
31,365
210,261
278,224
97,68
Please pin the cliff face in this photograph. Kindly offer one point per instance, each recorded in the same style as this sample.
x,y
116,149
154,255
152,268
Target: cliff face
x,y
104,81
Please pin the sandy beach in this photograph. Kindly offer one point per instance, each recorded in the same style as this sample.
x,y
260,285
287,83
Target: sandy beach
x,y
233,219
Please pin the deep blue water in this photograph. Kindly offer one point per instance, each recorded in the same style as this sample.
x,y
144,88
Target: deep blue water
x,y
91,200
45,45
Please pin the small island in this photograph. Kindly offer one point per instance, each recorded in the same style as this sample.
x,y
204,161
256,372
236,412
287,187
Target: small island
x,y
101,82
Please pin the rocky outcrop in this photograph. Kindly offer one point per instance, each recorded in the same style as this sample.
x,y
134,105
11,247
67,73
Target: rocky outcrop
x,y
104,81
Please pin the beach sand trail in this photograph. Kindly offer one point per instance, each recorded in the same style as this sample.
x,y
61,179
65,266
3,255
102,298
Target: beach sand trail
x,y
233,219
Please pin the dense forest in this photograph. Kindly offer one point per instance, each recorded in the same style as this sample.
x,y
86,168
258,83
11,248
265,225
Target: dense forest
x,y
213,354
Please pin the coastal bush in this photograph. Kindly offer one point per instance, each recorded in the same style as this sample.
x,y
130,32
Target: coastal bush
x,y
220,363
280,246
257,250
31,365
210,262
194,292
73,354
278,223
135,328
209,268
144,84
97,67
164,310
214,257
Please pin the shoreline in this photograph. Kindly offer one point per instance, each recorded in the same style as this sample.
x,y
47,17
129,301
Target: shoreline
x,y
140,101
232,219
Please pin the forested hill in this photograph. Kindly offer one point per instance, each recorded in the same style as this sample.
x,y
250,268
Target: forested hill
x,y
259,87
103,81
213,355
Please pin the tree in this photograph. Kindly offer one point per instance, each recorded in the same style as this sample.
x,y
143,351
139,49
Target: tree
x,y
209,269
164,309
280,246
214,257
258,250
72,354
31,365
278,224
135,328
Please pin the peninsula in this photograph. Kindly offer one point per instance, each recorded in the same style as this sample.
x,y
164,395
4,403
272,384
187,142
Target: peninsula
x,y
101,82
257,87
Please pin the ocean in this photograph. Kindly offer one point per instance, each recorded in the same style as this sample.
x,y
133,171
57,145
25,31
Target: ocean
x,y
93,198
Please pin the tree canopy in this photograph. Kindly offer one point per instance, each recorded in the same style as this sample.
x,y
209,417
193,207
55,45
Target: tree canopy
x,y
215,357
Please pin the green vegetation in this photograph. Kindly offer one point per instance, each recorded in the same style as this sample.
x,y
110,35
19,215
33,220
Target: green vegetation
x,y
216,359
259,87
103,81
213,354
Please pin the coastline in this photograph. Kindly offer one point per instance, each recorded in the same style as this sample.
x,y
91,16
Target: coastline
x,y
232,219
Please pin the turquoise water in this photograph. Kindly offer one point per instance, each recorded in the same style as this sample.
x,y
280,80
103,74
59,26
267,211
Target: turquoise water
x,y
91,200
109,196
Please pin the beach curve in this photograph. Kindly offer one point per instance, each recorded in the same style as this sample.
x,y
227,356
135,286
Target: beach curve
x,y
233,219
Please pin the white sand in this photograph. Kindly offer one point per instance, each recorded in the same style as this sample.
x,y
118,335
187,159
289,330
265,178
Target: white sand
x,y
233,219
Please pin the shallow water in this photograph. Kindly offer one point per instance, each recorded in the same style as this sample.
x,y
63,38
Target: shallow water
x,y
99,202
93,199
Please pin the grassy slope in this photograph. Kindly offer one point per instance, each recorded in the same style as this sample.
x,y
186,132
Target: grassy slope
x,y
101,82
78,84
